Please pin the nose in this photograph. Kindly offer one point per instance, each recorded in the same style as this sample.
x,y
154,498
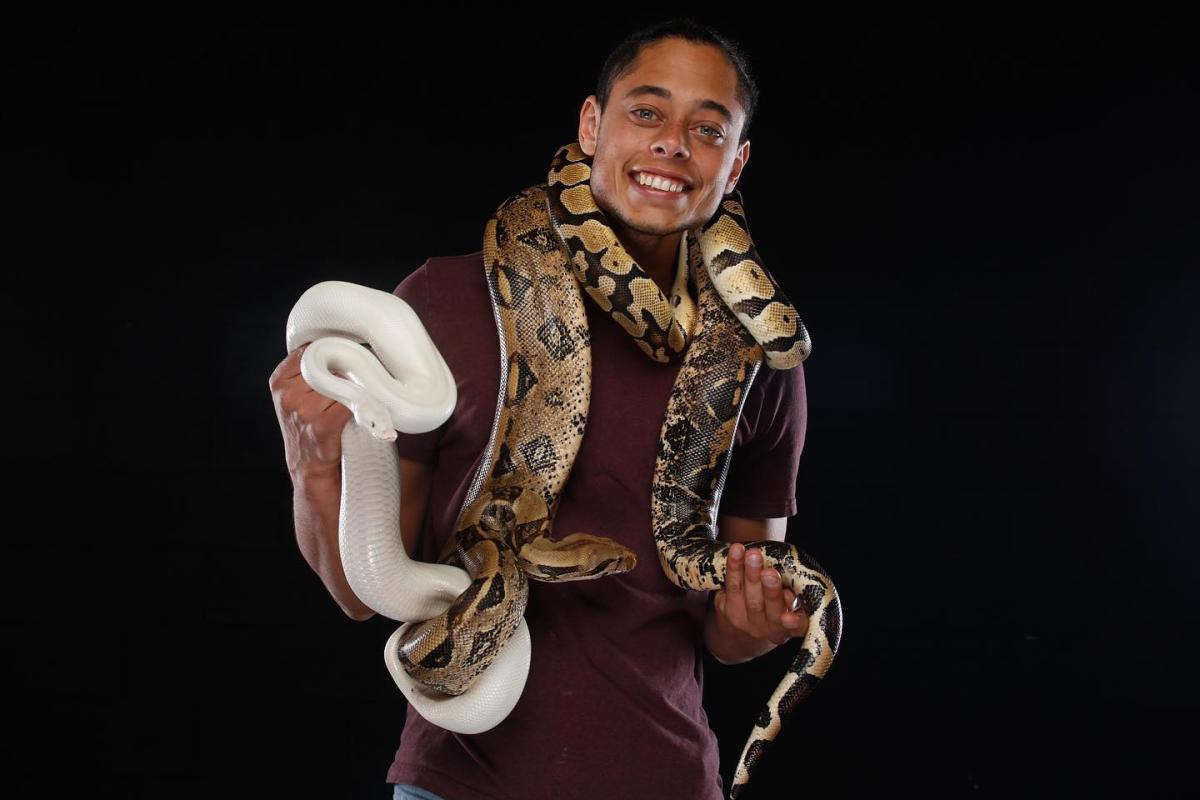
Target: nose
x,y
671,141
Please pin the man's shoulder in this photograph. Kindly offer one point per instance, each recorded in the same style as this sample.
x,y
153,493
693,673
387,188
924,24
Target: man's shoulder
x,y
456,280
454,286
443,276
455,265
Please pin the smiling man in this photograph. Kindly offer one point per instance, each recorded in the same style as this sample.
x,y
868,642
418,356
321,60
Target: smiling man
x,y
612,705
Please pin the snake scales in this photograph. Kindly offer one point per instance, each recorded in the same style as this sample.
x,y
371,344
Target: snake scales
x,y
540,247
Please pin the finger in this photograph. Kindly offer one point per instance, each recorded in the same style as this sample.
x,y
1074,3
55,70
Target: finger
x,y
335,414
796,624
790,602
299,380
339,411
755,613
290,366
774,606
285,370
289,375
316,406
795,621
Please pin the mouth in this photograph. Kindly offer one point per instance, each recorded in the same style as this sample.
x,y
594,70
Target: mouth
x,y
656,194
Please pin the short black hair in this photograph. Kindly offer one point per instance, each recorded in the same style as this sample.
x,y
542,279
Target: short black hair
x,y
622,57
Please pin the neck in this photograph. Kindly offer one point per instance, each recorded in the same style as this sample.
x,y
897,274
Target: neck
x,y
657,255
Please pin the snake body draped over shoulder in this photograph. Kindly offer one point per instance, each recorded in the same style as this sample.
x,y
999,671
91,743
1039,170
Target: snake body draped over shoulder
x,y
545,248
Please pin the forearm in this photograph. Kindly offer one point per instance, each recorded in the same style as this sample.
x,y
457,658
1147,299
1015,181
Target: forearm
x,y
316,502
728,644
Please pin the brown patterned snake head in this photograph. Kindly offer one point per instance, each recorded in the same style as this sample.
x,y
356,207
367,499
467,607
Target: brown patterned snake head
x,y
545,250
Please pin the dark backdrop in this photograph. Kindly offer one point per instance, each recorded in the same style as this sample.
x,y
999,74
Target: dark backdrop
x,y
989,227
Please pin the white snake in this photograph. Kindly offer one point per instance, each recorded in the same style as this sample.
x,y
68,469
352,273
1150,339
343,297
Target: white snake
x,y
335,316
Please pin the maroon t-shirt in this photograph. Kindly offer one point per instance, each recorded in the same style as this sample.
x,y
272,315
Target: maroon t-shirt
x,y
612,705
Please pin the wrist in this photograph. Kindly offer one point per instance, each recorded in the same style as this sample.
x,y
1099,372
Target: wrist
x,y
316,475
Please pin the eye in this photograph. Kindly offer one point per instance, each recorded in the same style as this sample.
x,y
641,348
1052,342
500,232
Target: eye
x,y
713,132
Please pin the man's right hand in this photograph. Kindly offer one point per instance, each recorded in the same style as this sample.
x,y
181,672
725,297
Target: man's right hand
x,y
311,423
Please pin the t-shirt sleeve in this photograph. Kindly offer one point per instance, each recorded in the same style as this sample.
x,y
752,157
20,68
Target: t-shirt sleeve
x,y
414,290
761,482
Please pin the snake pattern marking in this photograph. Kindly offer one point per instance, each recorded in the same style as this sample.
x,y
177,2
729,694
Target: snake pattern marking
x,y
543,248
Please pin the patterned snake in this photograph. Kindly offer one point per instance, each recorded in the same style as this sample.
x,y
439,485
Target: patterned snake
x,y
541,247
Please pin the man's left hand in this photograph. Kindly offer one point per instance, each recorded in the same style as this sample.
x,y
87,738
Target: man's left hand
x,y
753,601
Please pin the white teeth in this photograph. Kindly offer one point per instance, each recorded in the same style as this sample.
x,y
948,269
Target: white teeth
x,y
658,182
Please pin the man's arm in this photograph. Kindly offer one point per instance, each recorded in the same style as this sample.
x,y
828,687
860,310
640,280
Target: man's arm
x,y
750,616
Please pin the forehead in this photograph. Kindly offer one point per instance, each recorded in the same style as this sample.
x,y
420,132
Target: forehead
x,y
689,72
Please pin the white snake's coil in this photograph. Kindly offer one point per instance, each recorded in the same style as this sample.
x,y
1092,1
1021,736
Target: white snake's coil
x,y
411,391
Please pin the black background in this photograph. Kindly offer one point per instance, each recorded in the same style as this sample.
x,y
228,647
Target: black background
x,y
989,227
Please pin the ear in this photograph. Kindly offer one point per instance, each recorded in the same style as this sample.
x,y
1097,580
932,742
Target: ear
x,y
739,164
589,124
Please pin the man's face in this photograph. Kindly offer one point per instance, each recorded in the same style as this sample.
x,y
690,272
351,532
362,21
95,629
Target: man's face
x,y
686,134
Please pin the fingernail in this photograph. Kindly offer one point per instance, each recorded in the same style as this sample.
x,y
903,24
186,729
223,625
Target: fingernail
x,y
735,552
755,559
770,580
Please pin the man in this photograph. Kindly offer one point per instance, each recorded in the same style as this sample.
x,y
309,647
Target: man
x,y
611,707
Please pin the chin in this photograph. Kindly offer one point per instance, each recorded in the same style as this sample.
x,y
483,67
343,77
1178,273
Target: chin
x,y
650,224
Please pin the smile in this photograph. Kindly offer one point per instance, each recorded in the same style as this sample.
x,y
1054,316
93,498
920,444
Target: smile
x,y
651,192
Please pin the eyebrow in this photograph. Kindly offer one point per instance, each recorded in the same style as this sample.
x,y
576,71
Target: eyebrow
x,y
658,91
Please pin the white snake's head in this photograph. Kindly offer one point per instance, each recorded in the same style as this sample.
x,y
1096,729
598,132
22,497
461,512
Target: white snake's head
x,y
375,420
